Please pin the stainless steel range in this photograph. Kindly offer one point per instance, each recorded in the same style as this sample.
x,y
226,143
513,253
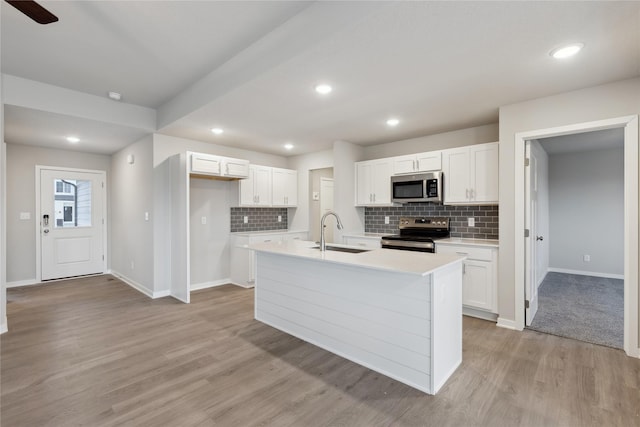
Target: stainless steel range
x,y
418,234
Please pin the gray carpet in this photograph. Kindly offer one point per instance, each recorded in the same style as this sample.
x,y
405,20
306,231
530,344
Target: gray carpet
x,y
585,308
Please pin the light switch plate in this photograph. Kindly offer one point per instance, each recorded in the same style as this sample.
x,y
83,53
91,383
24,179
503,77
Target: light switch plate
x,y
146,216
316,195
203,220
386,220
246,219
471,222
279,218
25,215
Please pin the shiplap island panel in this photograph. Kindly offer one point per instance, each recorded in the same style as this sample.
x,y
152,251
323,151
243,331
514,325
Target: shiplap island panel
x,y
398,313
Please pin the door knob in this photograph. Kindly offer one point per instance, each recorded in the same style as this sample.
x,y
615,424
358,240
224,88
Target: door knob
x,y
539,238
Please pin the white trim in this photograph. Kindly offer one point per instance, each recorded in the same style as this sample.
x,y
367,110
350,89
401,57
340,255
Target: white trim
x,y
480,314
211,284
135,285
18,283
586,273
630,125
4,326
508,324
161,294
242,285
105,213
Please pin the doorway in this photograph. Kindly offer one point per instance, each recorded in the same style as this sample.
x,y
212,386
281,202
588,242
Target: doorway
x,y
71,229
629,124
575,217
321,200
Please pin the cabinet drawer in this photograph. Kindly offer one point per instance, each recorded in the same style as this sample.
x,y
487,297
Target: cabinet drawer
x,y
365,242
471,252
265,238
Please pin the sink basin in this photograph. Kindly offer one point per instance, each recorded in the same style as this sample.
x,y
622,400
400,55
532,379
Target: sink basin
x,y
341,249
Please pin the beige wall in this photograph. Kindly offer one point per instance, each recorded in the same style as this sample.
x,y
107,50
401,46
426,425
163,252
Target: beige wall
x,y
591,104
440,141
131,197
21,197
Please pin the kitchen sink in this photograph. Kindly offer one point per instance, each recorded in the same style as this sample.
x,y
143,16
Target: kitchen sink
x,y
342,249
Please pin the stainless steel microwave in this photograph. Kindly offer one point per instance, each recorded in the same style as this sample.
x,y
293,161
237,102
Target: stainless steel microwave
x,y
422,187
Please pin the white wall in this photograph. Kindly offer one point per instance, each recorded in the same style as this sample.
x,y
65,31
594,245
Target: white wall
x,y
210,199
21,197
299,218
587,211
345,155
131,196
440,141
595,103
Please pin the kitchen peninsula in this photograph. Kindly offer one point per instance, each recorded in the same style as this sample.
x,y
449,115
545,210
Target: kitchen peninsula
x,y
396,312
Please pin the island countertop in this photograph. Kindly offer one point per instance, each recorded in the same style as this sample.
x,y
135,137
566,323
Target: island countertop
x,y
420,263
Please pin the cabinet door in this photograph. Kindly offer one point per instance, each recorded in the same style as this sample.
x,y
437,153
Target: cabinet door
x,y
382,182
291,186
484,172
236,168
404,164
431,161
364,176
279,185
247,194
477,289
262,185
205,164
455,168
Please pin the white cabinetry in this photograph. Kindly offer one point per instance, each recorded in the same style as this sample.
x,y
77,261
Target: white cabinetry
x,y
285,187
256,190
243,258
471,174
369,242
479,280
373,182
422,162
217,166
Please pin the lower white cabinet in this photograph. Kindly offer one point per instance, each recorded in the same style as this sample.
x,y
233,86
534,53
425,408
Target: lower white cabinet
x,y
479,280
243,259
369,242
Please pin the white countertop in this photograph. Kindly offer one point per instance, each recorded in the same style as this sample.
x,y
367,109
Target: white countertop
x,y
261,233
360,234
421,263
468,242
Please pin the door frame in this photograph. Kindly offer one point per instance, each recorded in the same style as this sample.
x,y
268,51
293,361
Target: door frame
x,y
631,164
103,175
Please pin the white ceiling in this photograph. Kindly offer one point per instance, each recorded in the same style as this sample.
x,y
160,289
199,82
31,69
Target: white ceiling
x,y
250,67
586,141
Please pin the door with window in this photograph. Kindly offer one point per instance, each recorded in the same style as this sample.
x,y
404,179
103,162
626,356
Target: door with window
x,y
71,223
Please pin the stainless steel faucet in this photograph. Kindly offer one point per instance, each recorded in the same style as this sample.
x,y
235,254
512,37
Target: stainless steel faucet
x,y
323,246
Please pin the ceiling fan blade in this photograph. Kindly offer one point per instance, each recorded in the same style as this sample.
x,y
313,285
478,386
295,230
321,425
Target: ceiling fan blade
x,y
34,11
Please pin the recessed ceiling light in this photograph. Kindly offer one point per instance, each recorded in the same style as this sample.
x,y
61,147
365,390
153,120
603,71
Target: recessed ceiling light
x,y
393,122
566,51
288,146
73,139
323,89
217,131
115,96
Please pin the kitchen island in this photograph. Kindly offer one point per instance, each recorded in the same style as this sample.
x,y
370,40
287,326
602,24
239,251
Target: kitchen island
x,y
396,312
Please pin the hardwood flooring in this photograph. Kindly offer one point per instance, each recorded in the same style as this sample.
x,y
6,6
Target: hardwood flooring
x,y
94,352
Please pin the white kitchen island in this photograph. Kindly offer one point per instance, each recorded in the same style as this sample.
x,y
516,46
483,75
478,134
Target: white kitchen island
x,y
396,312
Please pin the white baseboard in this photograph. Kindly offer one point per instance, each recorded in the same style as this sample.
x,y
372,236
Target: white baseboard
x,y
587,273
211,284
161,294
19,283
480,314
507,324
4,326
135,285
243,285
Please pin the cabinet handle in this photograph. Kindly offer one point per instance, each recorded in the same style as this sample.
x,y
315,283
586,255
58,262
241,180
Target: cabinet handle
x,y
414,164
467,193
464,268
472,192
227,168
462,253
374,197
258,196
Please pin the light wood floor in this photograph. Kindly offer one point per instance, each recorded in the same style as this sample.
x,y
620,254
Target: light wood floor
x,y
95,352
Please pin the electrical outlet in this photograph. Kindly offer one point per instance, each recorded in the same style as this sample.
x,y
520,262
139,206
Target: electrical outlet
x,y
246,220
203,220
25,215
279,218
133,265
386,220
586,258
471,222
146,216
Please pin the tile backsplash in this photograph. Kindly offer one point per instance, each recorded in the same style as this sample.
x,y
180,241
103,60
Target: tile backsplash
x,y
486,218
260,219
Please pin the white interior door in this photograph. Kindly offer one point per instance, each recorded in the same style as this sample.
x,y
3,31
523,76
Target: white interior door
x,y
531,221
72,216
326,205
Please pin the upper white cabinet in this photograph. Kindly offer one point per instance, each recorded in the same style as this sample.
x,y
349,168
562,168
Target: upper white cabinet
x,y
218,166
471,174
256,189
373,182
285,187
267,186
422,162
